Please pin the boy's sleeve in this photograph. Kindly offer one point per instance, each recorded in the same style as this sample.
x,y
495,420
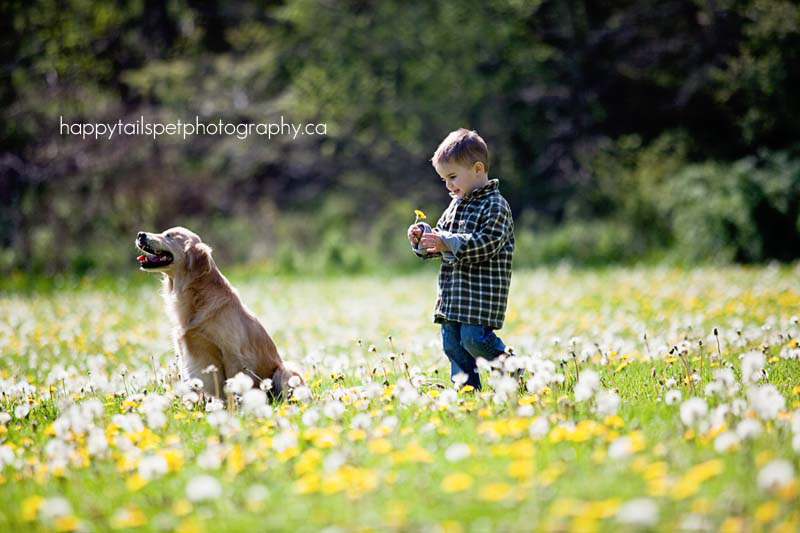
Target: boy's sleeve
x,y
496,228
422,253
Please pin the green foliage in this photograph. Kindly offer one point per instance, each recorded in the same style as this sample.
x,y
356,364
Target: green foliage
x,y
589,110
745,211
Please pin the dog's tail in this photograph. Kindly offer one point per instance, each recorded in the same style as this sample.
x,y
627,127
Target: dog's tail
x,y
281,387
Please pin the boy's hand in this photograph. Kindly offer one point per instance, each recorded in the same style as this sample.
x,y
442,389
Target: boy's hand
x,y
432,242
414,233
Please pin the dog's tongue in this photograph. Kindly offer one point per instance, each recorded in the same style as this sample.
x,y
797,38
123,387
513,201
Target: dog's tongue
x,y
141,259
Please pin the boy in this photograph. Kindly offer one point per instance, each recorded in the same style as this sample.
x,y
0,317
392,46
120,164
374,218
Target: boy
x,y
475,239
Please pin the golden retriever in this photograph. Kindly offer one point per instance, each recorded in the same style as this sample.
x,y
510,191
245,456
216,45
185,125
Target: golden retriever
x,y
212,325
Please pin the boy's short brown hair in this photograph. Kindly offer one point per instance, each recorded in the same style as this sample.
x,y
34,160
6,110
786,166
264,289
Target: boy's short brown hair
x,y
462,146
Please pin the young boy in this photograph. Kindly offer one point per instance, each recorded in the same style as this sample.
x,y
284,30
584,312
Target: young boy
x,y
475,239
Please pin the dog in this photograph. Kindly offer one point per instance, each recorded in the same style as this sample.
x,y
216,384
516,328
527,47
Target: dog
x,y
212,325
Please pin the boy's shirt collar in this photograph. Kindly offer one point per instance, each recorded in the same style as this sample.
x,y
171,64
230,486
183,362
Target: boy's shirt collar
x,y
483,191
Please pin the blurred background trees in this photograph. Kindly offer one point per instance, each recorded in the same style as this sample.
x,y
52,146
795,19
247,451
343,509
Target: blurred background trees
x,y
621,131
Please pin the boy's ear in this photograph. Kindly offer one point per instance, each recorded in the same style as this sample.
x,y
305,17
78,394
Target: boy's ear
x,y
479,167
198,258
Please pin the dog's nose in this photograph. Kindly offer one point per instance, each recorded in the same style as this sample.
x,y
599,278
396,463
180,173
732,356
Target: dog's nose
x,y
140,236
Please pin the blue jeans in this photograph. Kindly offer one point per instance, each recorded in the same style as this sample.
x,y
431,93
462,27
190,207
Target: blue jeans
x,y
464,343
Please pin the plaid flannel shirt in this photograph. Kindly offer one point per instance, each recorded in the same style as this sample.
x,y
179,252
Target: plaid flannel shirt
x,y
476,273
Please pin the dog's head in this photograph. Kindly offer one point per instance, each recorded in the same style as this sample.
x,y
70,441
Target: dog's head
x,y
174,250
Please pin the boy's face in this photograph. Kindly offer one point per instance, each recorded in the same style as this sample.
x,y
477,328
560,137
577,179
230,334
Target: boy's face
x,y
462,179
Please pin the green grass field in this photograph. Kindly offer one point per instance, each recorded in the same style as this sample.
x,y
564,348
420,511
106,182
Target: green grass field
x,y
97,434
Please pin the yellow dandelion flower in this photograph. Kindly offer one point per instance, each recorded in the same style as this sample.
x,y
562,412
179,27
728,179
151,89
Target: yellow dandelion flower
x,y
379,446
181,508
585,524
419,215
450,526
173,457
135,482
128,518
66,523
356,435
235,461
457,482
494,492
766,512
30,507
307,484
520,469
190,525
602,508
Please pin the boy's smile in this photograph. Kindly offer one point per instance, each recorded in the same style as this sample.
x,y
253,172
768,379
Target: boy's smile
x,y
462,179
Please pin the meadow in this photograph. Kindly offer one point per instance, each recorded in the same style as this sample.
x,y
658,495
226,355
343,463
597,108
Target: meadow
x,y
650,398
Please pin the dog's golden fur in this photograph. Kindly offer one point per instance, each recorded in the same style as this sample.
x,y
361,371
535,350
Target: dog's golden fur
x,y
212,325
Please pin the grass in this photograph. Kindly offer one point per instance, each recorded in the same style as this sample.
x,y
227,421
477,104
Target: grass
x,y
387,456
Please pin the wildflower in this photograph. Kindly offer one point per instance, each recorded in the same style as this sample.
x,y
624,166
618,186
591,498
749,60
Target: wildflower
x,y
538,428
457,482
128,518
748,429
766,401
265,385
725,441
457,452
203,487
638,512
214,405
752,366
22,410
494,492
333,409
255,496
775,475
607,403
284,441
692,410
672,397
152,466
54,508
238,384
419,215
301,393
588,383
254,402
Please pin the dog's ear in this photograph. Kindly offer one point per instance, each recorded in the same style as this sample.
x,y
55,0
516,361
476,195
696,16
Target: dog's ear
x,y
198,258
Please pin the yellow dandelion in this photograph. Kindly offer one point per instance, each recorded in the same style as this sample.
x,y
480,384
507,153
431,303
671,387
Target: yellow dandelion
x,y
379,446
494,492
66,523
135,482
173,457
181,508
450,526
457,482
235,460
307,484
30,507
766,512
521,469
190,525
128,518
419,215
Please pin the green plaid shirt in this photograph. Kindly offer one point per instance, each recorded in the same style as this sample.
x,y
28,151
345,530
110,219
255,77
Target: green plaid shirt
x,y
476,272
